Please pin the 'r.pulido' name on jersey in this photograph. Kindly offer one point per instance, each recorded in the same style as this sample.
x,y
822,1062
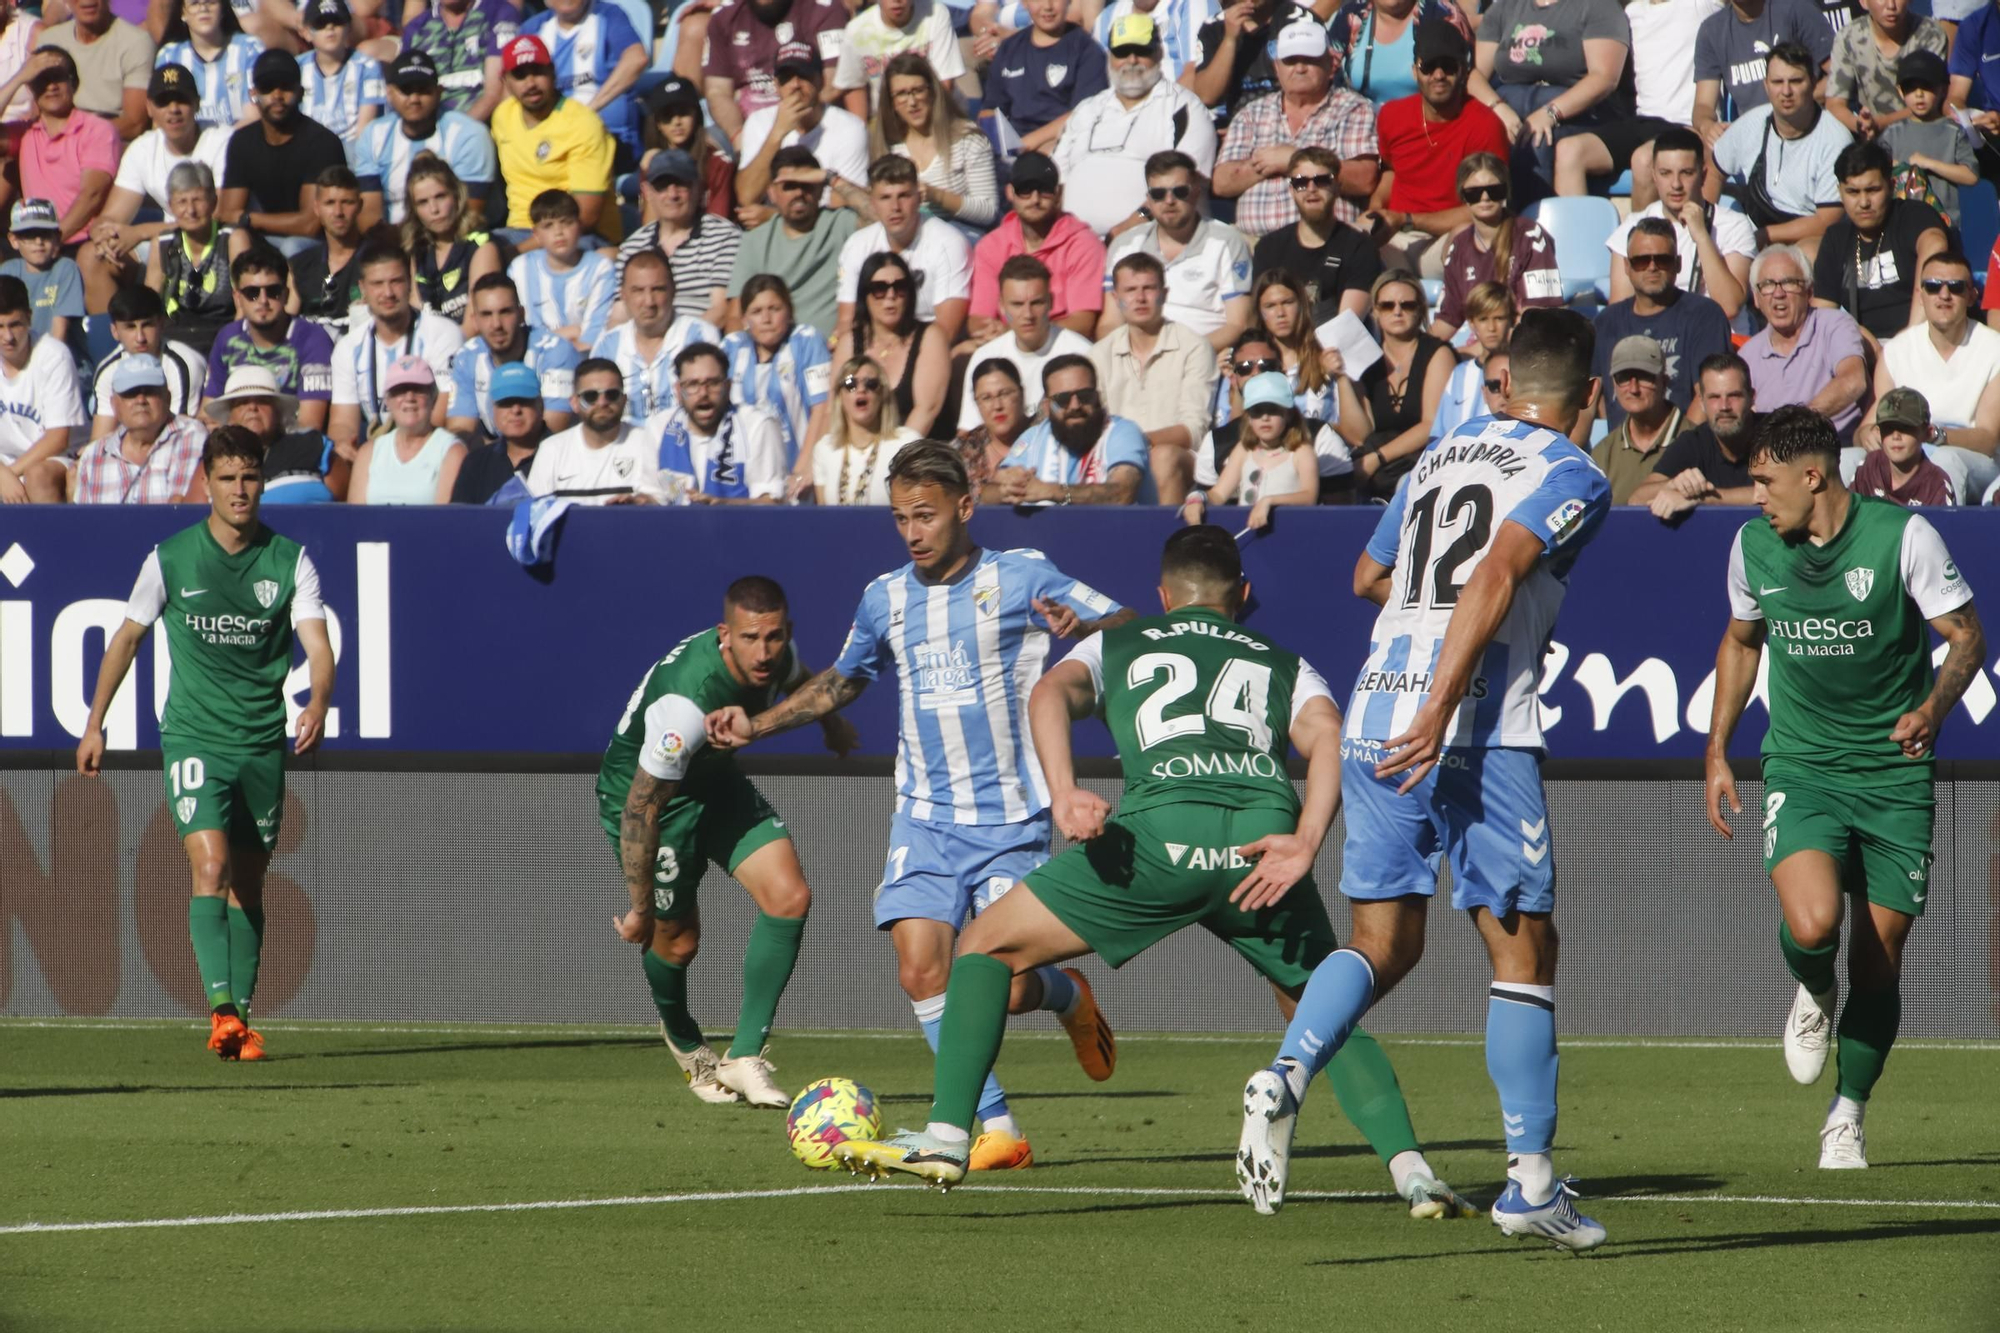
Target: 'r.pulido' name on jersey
x,y
1434,533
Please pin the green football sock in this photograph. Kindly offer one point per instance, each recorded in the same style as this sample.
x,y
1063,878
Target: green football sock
x,y
1867,1030
246,947
975,1019
208,930
1811,968
767,966
1365,1084
669,983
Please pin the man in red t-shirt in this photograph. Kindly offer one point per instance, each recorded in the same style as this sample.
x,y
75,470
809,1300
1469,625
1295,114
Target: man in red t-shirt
x,y
739,59
1423,138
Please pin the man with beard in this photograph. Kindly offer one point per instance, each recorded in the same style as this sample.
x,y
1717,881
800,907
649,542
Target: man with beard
x,y
1423,138
801,244
1869,260
418,123
506,337
1039,227
1307,109
1108,139
602,459
1081,454
297,352
327,273
389,329
546,141
739,67
1711,463
269,171
710,451
1337,264
300,466
1687,325
1207,262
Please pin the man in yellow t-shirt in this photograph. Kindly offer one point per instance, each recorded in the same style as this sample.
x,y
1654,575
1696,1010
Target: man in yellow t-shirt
x,y
550,142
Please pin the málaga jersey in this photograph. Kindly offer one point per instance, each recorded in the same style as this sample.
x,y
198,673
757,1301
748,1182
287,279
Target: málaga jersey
x,y
1433,535
968,652
1847,636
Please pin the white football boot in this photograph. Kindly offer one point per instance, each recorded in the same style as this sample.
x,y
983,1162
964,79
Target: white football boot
x,y
1556,1221
1842,1146
750,1076
698,1068
1264,1152
1809,1034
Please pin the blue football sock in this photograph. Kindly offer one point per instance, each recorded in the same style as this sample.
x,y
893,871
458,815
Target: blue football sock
x,y
1521,1060
1059,993
930,1017
1341,989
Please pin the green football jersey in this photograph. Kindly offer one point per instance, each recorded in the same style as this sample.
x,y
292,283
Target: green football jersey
x,y
663,729
229,633
1200,708
1847,635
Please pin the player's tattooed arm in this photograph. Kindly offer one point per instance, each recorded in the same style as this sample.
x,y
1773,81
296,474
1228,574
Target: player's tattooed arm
x,y
839,733
827,692
638,849
1963,660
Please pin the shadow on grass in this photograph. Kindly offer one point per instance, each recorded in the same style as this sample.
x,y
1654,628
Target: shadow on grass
x,y
117,1089
552,1044
1979,1159
1315,1150
1015,1095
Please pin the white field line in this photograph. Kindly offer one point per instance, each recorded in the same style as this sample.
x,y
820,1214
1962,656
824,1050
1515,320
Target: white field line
x,y
350,1027
806,1191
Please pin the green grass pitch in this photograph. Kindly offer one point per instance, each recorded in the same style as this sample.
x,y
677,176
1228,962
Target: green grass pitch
x,y
1699,1160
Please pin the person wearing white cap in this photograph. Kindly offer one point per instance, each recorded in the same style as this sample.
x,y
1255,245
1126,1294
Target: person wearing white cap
x,y
1255,164
154,457
300,466
413,462
1274,463
1108,138
41,410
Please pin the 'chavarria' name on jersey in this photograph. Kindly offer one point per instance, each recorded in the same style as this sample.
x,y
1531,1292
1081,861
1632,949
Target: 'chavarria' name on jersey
x,y
1434,533
968,652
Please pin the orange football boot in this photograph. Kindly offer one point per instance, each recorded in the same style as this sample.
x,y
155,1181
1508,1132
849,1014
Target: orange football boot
x,y
1096,1047
253,1045
225,1035
994,1151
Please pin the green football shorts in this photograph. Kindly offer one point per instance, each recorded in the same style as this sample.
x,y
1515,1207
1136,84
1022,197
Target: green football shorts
x,y
727,821
1880,837
1154,872
241,793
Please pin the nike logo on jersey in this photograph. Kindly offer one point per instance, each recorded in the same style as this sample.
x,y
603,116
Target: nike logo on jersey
x,y
1763,591
193,592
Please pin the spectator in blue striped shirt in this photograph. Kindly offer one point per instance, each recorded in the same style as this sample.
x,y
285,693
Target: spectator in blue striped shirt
x,y
1177,22
383,154
206,38
779,364
598,56
566,289
343,86
646,345
506,335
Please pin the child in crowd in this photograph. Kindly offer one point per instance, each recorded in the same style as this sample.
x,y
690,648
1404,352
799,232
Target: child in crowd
x,y
1933,157
1898,471
55,284
342,87
564,289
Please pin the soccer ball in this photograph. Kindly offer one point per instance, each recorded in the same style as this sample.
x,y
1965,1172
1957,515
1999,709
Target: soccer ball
x,y
830,1111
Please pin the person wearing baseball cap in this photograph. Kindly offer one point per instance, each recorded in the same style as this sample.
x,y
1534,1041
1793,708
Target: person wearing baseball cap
x,y
740,61
1899,471
837,138
1038,226
412,462
1628,453
342,87
676,109
598,56
118,245
465,39
547,141
1273,463
1238,65
418,123
52,279
1254,166
520,428
269,169
154,457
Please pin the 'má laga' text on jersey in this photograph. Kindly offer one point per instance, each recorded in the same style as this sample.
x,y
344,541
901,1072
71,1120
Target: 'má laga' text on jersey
x,y
1435,532
968,652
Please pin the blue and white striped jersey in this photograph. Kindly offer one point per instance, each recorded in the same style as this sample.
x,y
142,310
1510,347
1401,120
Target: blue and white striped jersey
x,y
584,57
554,361
1177,22
649,385
381,156
968,653
335,100
224,81
580,297
1434,533
792,383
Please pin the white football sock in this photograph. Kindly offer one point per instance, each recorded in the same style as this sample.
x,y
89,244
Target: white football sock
x,y
1845,1108
1297,1077
1535,1172
1408,1163
1001,1124
944,1133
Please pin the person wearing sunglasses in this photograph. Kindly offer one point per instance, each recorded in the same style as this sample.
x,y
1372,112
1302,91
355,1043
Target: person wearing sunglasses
x,y
1307,110
1423,138
411,462
1497,245
712,450
1716,244
1688,326
1953,360
1403,387
1649,417
1207,262
297,352
1081,454
912,353
801,244
1257,353
936,255
1038,226
1110,140
1804,355
865,432
603,458
1375,44
1155,373
1335,263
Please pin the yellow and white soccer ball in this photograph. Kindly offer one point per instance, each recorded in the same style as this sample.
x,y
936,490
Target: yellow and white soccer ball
x,y
830,1111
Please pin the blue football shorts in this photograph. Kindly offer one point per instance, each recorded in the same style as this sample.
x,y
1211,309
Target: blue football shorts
x,y
943,872
1482,810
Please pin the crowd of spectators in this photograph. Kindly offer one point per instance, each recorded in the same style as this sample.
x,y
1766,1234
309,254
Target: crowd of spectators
x,y
1120,251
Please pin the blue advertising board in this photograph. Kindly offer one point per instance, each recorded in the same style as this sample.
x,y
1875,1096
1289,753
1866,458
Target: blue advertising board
x,y
447,645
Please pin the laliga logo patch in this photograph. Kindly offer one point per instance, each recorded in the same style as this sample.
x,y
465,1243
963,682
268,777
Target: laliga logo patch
x,y
1562,523
184,808
1859,582
267,592
671,744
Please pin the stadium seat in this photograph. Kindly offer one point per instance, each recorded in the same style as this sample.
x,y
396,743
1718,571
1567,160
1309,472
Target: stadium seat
x,y
1433,292
1622,187
1978,223
643,21
1580,227
1598,430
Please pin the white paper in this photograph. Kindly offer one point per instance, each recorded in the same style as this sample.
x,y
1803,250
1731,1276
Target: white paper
x,y
1347,335
1966,127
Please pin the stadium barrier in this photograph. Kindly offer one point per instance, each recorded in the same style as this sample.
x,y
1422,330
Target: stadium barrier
x,y
442,859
